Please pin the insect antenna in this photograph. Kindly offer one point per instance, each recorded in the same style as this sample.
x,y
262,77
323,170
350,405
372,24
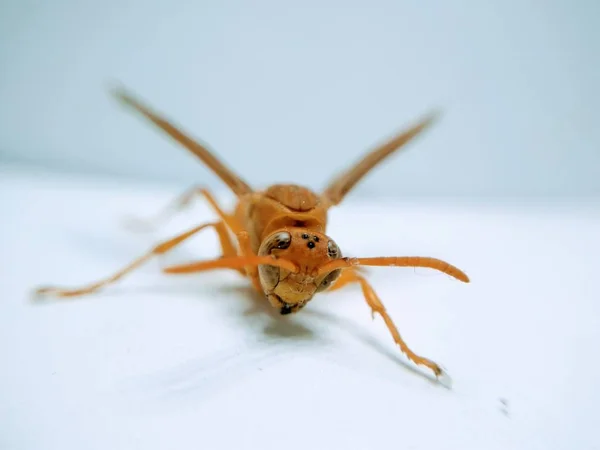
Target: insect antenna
x,y
395,261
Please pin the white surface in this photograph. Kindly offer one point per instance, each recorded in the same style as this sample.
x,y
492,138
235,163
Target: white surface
x,y
317,81
194,363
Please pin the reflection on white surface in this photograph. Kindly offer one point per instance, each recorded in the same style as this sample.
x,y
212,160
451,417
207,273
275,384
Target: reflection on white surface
x,y
199,362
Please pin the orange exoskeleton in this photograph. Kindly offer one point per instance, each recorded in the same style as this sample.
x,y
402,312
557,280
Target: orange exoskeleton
x,y
277,237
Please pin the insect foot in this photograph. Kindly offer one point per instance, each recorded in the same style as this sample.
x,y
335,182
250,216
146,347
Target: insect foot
x,y
444,378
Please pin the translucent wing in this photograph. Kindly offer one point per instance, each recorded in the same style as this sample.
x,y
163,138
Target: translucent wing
x,y
344,182
235,183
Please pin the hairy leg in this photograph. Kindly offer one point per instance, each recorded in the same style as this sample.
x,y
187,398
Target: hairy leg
x,y
351,276
159,249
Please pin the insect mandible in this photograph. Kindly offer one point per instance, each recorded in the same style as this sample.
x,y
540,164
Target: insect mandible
x,y
277,237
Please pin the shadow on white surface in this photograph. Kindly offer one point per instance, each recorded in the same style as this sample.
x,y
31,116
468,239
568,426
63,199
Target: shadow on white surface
x,y
200,362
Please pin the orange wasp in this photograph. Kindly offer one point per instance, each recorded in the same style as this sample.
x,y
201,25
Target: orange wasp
x,y
282,245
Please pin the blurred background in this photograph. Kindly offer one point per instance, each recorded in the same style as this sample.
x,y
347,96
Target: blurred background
x,y
296,91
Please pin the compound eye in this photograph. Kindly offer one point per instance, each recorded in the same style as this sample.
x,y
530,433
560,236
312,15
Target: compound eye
x,y
333,251
329,280
280,240
269,276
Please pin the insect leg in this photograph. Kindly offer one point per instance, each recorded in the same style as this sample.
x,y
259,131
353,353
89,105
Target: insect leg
x,y
178,204
228,222
228,248
234,262
184,200
159,249
347,277
229,219
246,250
351,276
250,269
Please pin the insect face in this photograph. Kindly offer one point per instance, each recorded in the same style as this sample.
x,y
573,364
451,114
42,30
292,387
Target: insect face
x,y
290,291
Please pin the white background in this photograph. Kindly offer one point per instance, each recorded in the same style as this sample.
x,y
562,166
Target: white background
x,y
294,92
